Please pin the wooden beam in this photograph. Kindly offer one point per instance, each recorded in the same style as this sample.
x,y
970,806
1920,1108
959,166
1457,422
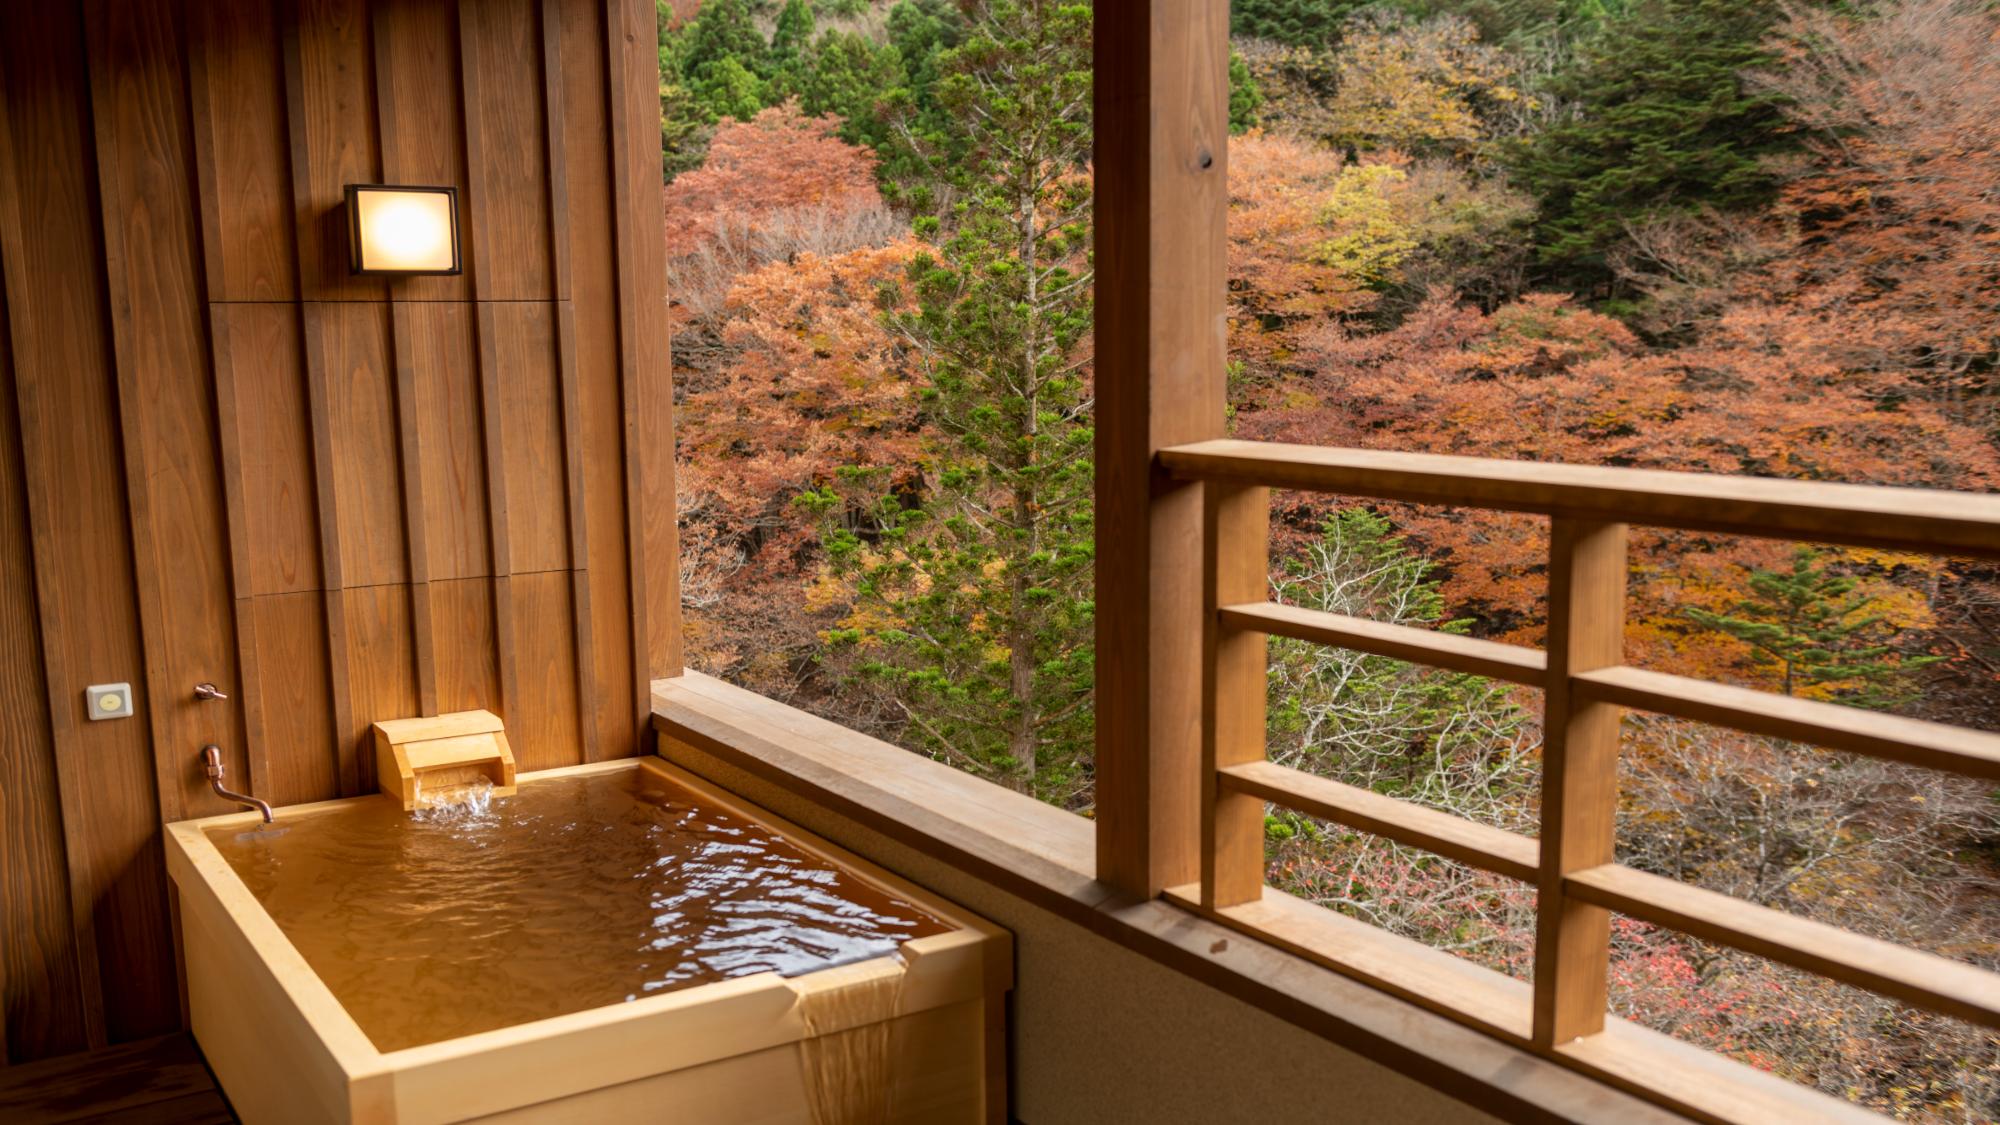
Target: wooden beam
x,y
1923,979
1162,126
1935,746
1469,842
1579,777
1911,519
1492,659
1236,564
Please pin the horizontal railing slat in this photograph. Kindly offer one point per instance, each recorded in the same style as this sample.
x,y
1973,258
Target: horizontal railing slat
x,y
1853,729
1913,519
1923,979
1469,842
1512,663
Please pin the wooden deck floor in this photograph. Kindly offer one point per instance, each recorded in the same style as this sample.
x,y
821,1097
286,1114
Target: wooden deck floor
x,y
157,1082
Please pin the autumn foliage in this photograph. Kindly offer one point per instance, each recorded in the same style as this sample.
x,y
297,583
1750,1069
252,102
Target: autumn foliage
x,y
849,376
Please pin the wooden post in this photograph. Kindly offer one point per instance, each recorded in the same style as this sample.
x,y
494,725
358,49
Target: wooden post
x,y
1236,563
1579,777
1162,123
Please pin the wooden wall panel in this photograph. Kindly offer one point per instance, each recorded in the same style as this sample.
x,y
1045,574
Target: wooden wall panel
x,y
451,440
416,84
330,102
381,673
72,451
531,442
341,499
237,83
506,148
290,698
542,715
468,669
38,950
261,380
347,355
642,316
166,398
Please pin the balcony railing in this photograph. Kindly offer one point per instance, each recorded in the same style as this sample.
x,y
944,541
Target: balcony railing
x,y
1585,685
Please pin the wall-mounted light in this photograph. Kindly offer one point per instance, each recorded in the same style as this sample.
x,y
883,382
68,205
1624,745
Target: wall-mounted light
x,y
400,230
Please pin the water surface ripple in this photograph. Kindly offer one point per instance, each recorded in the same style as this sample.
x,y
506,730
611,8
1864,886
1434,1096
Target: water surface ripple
x,y
575,893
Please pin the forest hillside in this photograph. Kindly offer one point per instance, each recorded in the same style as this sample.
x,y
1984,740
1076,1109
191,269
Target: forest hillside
x,y
1730,236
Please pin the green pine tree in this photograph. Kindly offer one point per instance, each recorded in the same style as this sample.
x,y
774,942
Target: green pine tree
x,y
721,32
1295,23
792,36
848,75
1245,98
975,609
1812,624
1665,121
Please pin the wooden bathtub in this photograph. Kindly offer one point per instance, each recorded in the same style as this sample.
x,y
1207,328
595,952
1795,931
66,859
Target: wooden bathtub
x,y
761,1048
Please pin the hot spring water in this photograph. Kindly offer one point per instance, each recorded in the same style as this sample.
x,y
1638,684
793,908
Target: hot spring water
x,y
475,913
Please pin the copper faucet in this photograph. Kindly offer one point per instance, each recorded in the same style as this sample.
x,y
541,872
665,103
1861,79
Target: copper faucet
x,y
211,756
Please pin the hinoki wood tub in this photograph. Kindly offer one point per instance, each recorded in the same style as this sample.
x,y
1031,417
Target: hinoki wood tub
x,y
914,1038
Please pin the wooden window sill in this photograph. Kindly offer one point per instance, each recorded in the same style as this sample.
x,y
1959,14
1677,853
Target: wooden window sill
x,y
1046,857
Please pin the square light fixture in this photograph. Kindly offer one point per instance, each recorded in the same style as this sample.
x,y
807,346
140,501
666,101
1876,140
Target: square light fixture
x,y
400,230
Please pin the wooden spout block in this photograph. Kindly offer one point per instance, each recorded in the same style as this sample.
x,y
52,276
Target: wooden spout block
x,y
421,759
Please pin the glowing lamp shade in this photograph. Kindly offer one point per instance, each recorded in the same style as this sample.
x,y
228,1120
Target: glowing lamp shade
x,y
402,230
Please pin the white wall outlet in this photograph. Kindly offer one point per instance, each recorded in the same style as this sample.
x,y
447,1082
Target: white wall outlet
x,y
109,701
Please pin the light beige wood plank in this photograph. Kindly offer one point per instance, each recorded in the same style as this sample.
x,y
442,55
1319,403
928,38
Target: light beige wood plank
x,y
1469,842
1586,625
1914,519
1236,564
1492,659
1162,128
1935,746
1914,977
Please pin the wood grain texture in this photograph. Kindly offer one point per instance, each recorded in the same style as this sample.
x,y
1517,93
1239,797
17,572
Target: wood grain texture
x,y
351,367
468,670
261,383
1236,567
1916,519
1587,579
532,443
1960,750
594,310
381,674
637,199
1162,127
1437,649
330,105
237,84
65,386
294,689
1482,846
416,87
506,148
1926,980
152,258
451,439
542,711
38,951
235,462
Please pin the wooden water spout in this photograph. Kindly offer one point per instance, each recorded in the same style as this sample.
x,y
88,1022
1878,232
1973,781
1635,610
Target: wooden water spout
x,y
437,759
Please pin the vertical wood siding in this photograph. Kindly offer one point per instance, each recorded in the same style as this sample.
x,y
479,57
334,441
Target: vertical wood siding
x,y
343,499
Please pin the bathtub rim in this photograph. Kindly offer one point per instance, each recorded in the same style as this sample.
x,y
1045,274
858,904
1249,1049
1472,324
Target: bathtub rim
x,y
487,1072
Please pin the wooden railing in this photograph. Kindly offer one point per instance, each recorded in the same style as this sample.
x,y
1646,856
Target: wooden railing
x,y
1585,686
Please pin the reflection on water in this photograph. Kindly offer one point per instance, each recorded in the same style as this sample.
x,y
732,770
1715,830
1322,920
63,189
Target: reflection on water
x,y
575,893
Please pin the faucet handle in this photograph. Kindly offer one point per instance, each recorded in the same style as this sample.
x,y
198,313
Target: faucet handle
x,y
207,691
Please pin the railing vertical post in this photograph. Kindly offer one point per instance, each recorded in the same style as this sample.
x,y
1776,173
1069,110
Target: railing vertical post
x,y
1236,529
1161,160
1579,777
